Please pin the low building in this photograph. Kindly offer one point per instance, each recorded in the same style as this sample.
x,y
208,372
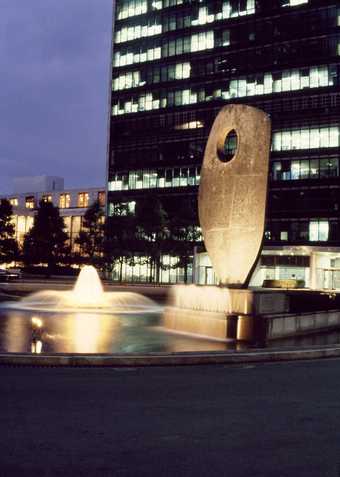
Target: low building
x,y
72,203
313,266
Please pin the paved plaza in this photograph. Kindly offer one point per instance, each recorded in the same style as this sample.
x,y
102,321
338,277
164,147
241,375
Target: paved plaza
x,y
265,420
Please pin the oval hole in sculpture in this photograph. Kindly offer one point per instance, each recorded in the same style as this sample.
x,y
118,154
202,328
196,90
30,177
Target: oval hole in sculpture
x,y
226,153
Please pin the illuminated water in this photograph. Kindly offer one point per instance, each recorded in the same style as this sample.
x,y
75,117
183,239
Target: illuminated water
x,y
25,331
41,332
90,320
87,295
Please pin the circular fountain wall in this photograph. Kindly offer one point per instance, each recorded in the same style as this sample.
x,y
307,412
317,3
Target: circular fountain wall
x,y
88,319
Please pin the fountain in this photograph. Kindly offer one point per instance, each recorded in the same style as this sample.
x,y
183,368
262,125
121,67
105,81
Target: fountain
x,y
232,203
89,320
87,295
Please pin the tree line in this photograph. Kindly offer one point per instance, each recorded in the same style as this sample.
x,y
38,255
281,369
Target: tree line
x,y
156,228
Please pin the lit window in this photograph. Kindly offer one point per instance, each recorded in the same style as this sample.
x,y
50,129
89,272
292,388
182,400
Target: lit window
x,y
318,230
67,224
286,140
276,171
76,225
29,223
304,170
304,139
202,41
30,202
190,125
122,208
64,201
323,231
186,70
101,198
149,179
292,3
295,170
130,8
156,5
226,38
184,177
313,138
47,198
83,199
268,83
21,227
14,201
203,17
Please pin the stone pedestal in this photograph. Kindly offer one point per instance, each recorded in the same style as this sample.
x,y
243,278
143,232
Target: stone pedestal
x,y
250,315
221,313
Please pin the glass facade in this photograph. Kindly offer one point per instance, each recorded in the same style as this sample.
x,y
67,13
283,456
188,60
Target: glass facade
x,y
306,138
306,168
245,86
175,63
156,178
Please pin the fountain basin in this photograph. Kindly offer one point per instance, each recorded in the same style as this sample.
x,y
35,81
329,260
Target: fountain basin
x,y
255,316
88,319
55,322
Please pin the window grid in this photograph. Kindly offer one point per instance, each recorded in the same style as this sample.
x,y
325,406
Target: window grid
x,y
247,86
305,169
83,199
155,178
230,9
306,138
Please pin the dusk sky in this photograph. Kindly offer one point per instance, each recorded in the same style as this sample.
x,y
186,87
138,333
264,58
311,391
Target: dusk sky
x,y
54,67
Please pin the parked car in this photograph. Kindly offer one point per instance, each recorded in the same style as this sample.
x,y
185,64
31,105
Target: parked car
x,y
9,275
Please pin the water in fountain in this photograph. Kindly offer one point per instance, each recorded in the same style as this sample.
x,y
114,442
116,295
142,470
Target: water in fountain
x,y
88,290
88,293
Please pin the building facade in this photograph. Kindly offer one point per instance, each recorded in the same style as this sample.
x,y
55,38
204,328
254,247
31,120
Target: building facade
x,y
177,62
72,204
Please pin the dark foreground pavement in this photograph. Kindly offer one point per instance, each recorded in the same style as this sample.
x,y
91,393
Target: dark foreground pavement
x,y
266,420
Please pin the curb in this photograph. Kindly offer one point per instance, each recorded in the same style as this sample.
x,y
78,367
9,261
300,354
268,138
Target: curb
x,y
175,359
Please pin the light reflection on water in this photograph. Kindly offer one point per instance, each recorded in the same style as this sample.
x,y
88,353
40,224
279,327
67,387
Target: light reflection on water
x,y
23,331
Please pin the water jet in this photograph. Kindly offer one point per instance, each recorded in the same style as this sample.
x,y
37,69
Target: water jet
x,y
87,295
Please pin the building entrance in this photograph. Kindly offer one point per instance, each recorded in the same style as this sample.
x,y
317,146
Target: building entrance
x,y
331,278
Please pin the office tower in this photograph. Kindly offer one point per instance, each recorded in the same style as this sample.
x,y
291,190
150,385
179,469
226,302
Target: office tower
x,y
177,62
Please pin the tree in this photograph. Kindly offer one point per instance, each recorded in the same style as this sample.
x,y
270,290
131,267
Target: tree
x,y
184,232
158,227
8,244
152,232
120,239
91,237
46,242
